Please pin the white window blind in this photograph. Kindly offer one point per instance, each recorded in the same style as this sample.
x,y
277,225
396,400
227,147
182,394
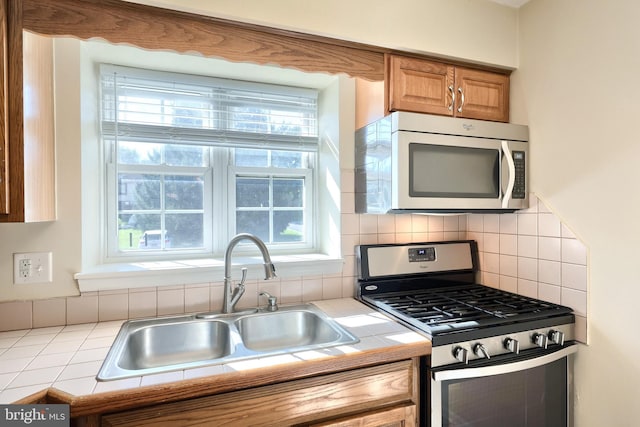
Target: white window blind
x,y
148,106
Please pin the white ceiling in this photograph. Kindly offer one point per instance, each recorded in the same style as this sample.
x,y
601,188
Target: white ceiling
x,y
512,3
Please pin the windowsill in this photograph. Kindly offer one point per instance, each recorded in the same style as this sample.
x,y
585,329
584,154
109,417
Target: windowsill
x,y
196,271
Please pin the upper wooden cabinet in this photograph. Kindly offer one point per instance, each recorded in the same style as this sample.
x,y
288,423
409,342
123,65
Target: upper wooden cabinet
x,y
424,86
27,158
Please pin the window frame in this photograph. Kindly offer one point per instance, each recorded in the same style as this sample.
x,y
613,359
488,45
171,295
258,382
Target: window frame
x,y
112,251
219,194
309,209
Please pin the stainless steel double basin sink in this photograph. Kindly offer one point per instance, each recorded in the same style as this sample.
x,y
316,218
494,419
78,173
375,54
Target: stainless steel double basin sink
x,y
150,346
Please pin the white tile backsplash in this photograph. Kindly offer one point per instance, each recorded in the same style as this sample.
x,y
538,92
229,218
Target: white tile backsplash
x,y
551,264
527,224
550,293
527,288
491,243
509,265
577,300
476,223
508,224
508,244
574,252
530,252
528,268
550,272
509,284
491,262
368,224
574,276
528,246
548,225
549,248
436,223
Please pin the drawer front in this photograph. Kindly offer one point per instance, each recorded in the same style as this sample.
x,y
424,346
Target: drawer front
x,y
294,402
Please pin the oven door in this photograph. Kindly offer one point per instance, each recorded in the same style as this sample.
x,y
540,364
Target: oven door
x,y
532,389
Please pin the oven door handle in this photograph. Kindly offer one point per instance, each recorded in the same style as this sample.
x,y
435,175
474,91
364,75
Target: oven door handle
x,y
485,371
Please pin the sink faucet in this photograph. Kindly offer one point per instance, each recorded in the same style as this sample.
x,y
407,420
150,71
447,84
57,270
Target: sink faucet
x,y
232,295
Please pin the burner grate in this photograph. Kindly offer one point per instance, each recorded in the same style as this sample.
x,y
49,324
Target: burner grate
x,y
465,305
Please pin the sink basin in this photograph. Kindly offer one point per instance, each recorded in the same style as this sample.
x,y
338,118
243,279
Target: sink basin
x,y
150,346
171,343
286,330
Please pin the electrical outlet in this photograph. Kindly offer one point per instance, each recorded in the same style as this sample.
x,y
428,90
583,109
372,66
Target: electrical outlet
x,y
33,267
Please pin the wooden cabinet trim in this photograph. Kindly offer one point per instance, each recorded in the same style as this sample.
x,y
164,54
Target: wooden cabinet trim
x,y
15,115
156,28
4,155
287,403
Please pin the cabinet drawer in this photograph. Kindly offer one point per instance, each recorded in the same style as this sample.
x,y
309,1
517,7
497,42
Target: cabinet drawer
x,y
293,402
396,417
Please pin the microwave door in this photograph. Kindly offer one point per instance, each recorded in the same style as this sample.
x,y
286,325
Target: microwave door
x,y
446,173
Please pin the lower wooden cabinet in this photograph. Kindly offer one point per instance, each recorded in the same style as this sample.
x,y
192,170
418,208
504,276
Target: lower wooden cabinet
x,y
395,417
384,395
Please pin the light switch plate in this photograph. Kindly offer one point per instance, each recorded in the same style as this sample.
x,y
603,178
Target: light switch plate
x,y
32,267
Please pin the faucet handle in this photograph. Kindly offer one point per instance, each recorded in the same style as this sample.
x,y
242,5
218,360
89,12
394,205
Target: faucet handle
x,y
244,275
272,302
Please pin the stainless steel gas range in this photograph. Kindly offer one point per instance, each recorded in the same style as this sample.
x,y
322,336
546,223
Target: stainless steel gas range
x,y
498,359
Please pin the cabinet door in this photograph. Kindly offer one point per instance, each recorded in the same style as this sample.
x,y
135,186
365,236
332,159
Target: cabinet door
x,y
420,86
482,95
396,417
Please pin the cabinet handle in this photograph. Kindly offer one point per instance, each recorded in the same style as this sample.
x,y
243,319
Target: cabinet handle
x,y
461,100
453,97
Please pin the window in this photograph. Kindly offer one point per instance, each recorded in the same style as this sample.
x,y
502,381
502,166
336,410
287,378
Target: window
x,y
192,161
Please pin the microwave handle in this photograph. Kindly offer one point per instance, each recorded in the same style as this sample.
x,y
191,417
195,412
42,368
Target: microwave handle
x,y
512,174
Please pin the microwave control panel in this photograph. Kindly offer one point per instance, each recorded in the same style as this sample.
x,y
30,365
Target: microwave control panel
x,y
519,186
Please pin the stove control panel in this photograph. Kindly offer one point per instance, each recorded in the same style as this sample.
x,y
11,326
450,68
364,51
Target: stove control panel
x,y
486,348
427,253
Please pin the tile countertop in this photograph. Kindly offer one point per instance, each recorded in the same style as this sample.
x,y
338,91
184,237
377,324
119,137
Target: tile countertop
x,y
68,358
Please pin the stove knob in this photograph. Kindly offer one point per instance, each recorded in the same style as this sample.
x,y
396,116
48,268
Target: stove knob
x,y
481,351
461,354
512,345
556,337
540,340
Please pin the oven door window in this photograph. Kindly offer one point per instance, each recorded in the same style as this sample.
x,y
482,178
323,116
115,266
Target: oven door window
x,y
534,397
453,172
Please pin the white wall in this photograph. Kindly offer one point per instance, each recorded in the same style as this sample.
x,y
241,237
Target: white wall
x,y
62,237
476,30
579,60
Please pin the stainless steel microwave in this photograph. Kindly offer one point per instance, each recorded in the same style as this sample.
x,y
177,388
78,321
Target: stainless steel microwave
x,y
410,162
